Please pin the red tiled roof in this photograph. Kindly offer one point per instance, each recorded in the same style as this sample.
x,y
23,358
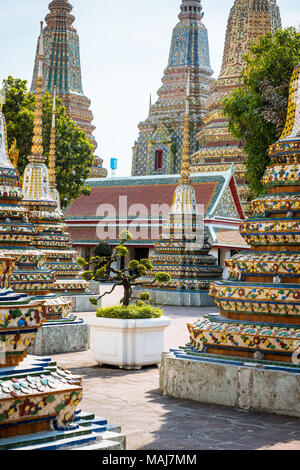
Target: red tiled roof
x,y
86,206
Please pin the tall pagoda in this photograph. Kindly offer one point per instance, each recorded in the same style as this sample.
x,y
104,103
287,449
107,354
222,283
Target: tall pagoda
x,y
260,303
62,70
158,149
183,251
248,20
42,200
248,356
29,273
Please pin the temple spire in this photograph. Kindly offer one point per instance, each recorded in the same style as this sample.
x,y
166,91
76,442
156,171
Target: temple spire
x,y
37,141
52,180
36,190
185,167
62,69
60,16
217,148
158,149
191,10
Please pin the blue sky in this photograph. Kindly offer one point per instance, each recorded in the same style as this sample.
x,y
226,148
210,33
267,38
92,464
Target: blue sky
x,y
124,50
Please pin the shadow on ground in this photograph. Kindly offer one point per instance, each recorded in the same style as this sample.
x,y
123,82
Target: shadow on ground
x,y
131,399
154,422
196,426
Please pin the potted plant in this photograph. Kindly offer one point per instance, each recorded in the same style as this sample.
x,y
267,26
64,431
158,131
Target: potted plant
x,y
129,335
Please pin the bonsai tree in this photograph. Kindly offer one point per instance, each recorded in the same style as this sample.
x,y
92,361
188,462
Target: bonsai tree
x,y
103,250
104,267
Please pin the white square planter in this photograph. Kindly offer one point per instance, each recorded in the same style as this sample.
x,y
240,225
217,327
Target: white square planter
x,y
129,344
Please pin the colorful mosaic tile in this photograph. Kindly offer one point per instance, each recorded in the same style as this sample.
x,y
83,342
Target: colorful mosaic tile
x,y
273,227
247,21
164,127
63,72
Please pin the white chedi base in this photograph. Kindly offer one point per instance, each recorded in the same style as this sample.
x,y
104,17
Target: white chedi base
x,y
128,344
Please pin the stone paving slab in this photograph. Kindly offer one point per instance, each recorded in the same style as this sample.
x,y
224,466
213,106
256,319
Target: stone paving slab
x,y
150,421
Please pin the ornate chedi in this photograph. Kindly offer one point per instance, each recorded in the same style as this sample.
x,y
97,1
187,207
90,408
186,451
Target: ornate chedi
x,y
31,400
158,149
20,316
42,205
62,70
38,399
248,20
183,251
53,238
30,274
260,303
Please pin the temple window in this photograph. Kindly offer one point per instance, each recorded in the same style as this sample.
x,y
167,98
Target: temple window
x,y
159,159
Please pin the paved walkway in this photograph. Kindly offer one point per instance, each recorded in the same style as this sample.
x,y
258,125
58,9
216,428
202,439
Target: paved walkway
x,y
150,421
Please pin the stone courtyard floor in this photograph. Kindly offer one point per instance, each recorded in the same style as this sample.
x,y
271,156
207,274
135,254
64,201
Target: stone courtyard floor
x,y
150,421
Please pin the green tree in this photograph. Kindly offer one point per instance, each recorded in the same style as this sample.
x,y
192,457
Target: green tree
x,y
73,149
257,110
19,114
104,268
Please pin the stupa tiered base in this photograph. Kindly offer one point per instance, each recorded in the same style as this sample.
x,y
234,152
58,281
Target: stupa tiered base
x,y
245,339
68,335
39,402
181,298
191,272
38,399
247,384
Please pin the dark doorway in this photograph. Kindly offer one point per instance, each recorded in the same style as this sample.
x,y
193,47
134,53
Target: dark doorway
x,y
159,159
141,253
122,262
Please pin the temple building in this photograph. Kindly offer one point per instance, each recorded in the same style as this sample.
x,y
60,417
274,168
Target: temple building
x,y
125,197
248,20
256,338
183,251
158,148
62,70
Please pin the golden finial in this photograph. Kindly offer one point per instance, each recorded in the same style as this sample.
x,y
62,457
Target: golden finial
x,y
14,153
37,141
52,181
185,165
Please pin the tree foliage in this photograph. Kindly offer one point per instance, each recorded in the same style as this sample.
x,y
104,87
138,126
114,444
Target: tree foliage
x,y
73,149
257,111
104,268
